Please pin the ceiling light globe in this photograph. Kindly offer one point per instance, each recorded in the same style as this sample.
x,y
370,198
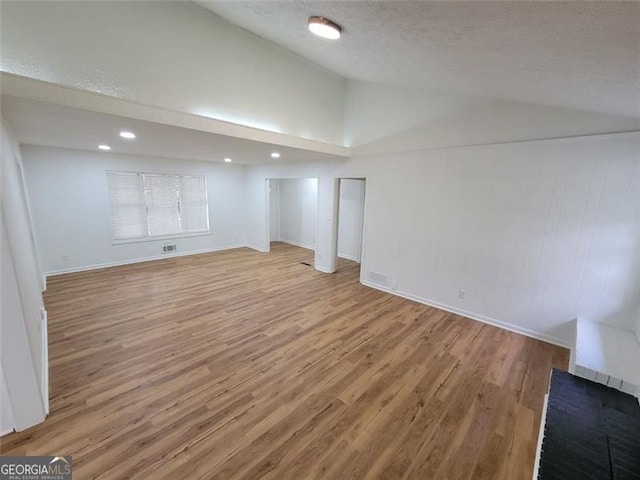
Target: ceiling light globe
x,y
325,28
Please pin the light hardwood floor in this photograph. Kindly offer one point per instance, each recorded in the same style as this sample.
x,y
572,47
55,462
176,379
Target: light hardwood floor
x,y
246,365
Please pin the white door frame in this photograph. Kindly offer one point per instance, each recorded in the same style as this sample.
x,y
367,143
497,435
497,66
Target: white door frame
x,y
336,221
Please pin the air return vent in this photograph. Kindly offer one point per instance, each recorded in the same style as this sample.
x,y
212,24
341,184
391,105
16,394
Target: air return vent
x,y
169,248
379,278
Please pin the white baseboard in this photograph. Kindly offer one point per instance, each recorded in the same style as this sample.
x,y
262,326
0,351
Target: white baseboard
x,y
322,269
474,316
255,247
298,244
348,257
6,432
140,260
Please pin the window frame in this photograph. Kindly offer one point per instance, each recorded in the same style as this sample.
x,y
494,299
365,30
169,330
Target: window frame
x,y
155,238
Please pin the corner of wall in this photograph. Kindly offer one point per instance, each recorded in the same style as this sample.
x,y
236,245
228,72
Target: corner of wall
x,y
22,351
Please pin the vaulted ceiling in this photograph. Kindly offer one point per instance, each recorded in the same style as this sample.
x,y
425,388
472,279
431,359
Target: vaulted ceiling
x,y
424,65
580,55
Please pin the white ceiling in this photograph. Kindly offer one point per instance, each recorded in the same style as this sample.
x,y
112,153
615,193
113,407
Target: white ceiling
x,y
41,123
582,55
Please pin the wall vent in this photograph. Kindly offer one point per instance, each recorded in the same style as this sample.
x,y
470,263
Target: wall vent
x,y
379,278
169,248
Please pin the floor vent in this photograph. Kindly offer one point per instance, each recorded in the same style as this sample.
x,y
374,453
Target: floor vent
x,y
169,248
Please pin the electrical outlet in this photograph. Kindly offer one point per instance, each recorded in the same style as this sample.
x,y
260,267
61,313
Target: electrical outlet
x,y
393,284
462,294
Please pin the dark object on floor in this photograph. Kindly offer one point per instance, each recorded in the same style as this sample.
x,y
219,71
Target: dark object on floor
x,y
591,432
305,263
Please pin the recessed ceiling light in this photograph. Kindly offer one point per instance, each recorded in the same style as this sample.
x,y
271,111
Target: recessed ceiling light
x,y
128,135
325,28
227,160
104,147
275,155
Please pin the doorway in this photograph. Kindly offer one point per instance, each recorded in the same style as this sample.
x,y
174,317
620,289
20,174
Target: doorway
x,y
350,212
293,212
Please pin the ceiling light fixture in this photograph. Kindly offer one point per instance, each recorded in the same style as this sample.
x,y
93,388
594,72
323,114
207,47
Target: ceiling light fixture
x,y
104,147
128,135
325,28
275,155
227,160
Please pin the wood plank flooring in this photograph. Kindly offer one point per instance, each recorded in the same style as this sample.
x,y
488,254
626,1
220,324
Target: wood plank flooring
x,y
245,365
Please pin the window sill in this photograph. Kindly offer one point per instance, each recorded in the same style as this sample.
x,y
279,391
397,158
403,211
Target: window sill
x,y
160,239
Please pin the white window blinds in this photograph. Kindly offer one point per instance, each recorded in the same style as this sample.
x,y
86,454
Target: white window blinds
x,y
192,195
128,207
162,205
156,205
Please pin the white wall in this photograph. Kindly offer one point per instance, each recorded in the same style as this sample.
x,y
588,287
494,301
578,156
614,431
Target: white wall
x,y
21,243
297,211
21,299
351,218
382,118
542,231
536,233
68,192
175,55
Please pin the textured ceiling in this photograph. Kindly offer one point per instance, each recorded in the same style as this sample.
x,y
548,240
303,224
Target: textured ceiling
x,y
583,55
42,123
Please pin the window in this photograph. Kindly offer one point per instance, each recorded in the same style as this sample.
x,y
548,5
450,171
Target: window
x,y
147,205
